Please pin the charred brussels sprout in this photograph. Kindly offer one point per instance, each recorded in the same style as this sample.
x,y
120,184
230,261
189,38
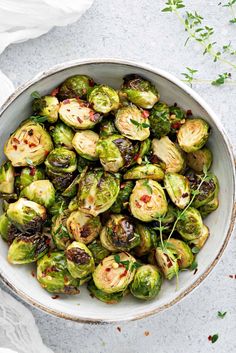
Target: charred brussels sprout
x,y
29,144
107,127
209,207
131,123
71,190
190,224
28,175
193,134
159,120
146,283
148,200
178,189
6,179
199,160
80,262
183,252
169,153
97,192
148,239
104,99
61,160
145,171
200,242
60,234
60,204
115,273
83,227
53,275
4,226
140,91
109,298
98,251
47,106
122,200
62,135
85,142
75,86
40,191
61,181
167,262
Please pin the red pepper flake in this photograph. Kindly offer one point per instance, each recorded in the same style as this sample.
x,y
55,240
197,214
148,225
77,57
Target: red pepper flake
x,y
55,91
145,114
68,110
55,296
118,328
136,157
32,145
91,83
189,112
15,140
32,170
48,241
123,274
46,153
145,198
79,120
176,126
209,338
107,269
26,142
232,276
32,273
15,147
146,333
137,204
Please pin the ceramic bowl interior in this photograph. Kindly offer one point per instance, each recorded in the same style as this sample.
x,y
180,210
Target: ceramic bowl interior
x,y
82,307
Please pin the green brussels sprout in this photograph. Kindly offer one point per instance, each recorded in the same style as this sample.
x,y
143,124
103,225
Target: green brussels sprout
x,y
40,191
148,200
193,134
28,145
115,273
75,86
28,175
182,250
85,142
151,258
200,242
97,192
146,283
148,240
80,262
140,91
144,149
62,135
109,298
167,262
73,205
4,226
61,181
61,160
107,127
145,171
83,227
26,215
199,160
190,224
131,123
71,190
169,153
98,251
6,179
60,204
60,234
169,218
122,200
26,249
77,114
47,106
104,99
53,275
209,207
115,152
159,118
178,188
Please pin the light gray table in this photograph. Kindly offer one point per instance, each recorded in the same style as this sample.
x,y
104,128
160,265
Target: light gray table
x,y
137,30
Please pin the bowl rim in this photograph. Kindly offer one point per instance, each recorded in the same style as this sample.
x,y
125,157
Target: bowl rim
x,y
189,91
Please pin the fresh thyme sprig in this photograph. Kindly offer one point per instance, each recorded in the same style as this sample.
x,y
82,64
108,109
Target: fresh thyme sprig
x,y
190,78
230,4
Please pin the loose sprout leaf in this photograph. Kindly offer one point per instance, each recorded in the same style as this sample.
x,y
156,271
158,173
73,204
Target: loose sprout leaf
x,y
38,118
195,250
221,314
193,266
35,94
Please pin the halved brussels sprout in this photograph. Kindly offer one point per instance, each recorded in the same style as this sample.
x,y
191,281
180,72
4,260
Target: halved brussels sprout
x,y
178,189
146,283
28,145
61,181
62,135
60,205
40,191
109,298
144,149
97,192
75,86
169,153
200,242
104,99
145,171
98,251
83,227
53,275
168,219
115,273
85,142
71,190
148,200
60,234
190,224
209,207
122,200
80,262
148,239
199,160
167,262
47,106
27,216
4,226
182,250
193,134
131,123
107,127
78,114
140,91
159,120
28,175
61,160
6,179
115,152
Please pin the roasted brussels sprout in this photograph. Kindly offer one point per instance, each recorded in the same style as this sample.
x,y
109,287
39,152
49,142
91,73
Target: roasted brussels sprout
x,y
80,262
146,283
85,142
97,192
193,134
148,239
28,145
144,149
61,181
182,250
190,224
4,226
109,298
40,191
6,179
167,262
115,152
61,160
132,123
209,207
26,215
83,227
115,273
98,251
53,275
122,200
168,219
104,99
199,160
159,120
178,189
71,190
169,153
78,114
28,175
200,242
47,106
148,200
145,171
62,135
140,91
75,86
60,204
60,234
107,127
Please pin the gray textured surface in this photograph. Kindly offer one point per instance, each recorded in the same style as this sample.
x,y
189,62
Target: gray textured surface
x,y
136,29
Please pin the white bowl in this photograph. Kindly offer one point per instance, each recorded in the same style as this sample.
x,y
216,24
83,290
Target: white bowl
x,y
82,307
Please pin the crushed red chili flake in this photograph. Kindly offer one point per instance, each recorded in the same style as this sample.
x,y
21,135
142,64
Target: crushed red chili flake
x,y
32,170
189,112
55,296
91,83
146,333
107,269
68,110
55,92
14,139
15,147
209,338
136,157
118,328
231,276
145,198
79,120
32,145
185,195
31,132
46,153
176,125
32,273
26,142
145,114
123,274
137,204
